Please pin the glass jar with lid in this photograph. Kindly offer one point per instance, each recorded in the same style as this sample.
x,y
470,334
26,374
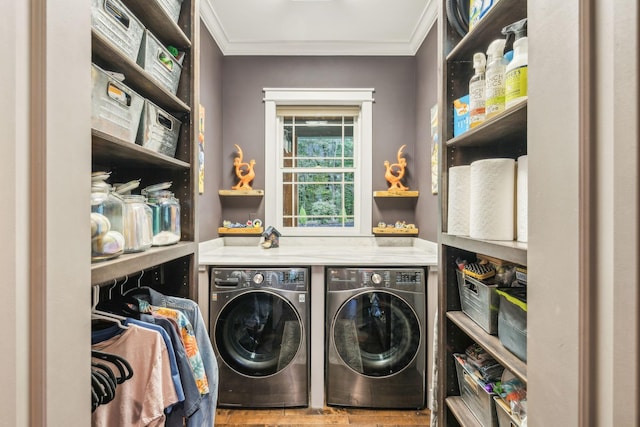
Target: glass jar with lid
x,y
105,201
138,223
107,210
166,214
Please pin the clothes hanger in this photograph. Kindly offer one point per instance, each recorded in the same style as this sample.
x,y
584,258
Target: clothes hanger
x,y
118,307
124,368
104,315
102,385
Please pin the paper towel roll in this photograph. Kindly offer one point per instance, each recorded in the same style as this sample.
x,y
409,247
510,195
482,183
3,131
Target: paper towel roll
x,y
522,197
492,199
458,210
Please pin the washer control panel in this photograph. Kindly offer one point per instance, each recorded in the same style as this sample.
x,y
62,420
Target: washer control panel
x,y
346,278
294,279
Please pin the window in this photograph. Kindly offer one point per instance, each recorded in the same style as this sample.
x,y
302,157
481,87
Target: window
x,y
319,142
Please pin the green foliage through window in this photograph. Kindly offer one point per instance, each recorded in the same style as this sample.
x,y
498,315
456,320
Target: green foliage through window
x,y
318,174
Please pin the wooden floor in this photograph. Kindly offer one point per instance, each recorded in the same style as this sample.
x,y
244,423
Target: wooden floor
x,y
334,417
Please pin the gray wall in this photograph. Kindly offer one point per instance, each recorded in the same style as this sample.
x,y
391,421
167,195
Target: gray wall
x,y
209,207
232,92
393,79
427,97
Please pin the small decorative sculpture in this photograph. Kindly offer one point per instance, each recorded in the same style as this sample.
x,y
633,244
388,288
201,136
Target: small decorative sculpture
x,y
271,238
395,172
244,171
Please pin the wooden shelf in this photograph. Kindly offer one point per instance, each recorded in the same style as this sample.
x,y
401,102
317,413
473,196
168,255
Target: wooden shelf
x,y
154,18
502,136
241,193
245,231
105,55
397,194
504,128
490,343
127,264
461,412
130,161
392,231
507,250
488,29
106,148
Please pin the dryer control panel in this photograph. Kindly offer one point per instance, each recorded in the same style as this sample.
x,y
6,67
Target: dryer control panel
x,y
292,279
342,279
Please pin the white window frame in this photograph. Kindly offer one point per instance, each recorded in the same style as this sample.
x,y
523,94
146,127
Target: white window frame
x,y
273,199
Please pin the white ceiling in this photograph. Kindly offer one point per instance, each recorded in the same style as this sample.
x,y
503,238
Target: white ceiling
x,y
319,27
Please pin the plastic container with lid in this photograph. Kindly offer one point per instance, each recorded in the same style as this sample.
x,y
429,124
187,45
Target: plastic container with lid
x,y
166,214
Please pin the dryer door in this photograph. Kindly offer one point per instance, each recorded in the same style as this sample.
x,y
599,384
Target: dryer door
x,y
376,333
258,333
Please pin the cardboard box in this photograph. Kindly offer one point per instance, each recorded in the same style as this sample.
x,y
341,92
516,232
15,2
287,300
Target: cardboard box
x,y
460,115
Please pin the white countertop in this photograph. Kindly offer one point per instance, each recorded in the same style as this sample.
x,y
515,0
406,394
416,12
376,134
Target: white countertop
x,y
307,251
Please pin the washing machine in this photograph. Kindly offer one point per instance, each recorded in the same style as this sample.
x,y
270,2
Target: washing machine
x,y
375,337
260,334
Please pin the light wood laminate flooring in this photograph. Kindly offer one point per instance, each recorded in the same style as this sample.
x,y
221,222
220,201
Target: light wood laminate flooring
x,y
335,417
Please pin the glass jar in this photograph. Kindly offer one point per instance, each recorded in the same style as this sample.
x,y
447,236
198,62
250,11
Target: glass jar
x,y
104,201
107,210
138,224
166,214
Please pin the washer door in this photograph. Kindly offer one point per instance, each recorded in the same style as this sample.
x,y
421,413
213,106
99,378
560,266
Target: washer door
x,y
258,333
376,333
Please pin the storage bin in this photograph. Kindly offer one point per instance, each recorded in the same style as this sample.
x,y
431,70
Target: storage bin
x,y
158,130
172,7
115,108
159,63
479,401
512,320
505,418
117,24
479,301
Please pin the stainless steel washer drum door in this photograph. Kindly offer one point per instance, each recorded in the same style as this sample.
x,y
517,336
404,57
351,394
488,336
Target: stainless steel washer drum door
x,y
376,333
258,334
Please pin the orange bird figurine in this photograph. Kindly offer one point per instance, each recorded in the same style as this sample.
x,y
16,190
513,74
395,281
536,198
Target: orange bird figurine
x,y
395,172
244,171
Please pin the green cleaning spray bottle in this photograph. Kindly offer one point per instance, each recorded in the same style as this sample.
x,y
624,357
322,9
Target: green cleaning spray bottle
x,y
495,87
476,91
516,71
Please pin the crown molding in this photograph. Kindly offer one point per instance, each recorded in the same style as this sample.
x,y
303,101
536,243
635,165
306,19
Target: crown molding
x,y
318,48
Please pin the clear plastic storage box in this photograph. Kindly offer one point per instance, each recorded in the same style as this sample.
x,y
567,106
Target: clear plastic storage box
x,y
172,7
115,108
479,401
118,25
159,130
479,301
512,320
159,62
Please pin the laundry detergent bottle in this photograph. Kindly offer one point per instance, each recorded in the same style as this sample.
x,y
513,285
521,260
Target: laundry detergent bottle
x,y
494,77
477,90
516,81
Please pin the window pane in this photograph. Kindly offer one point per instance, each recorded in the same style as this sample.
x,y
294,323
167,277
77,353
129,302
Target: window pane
x,y
287,139
348,141
287,193
318,199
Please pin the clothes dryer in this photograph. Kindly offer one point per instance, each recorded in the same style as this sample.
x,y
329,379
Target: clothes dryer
x,y
260,334
375,337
